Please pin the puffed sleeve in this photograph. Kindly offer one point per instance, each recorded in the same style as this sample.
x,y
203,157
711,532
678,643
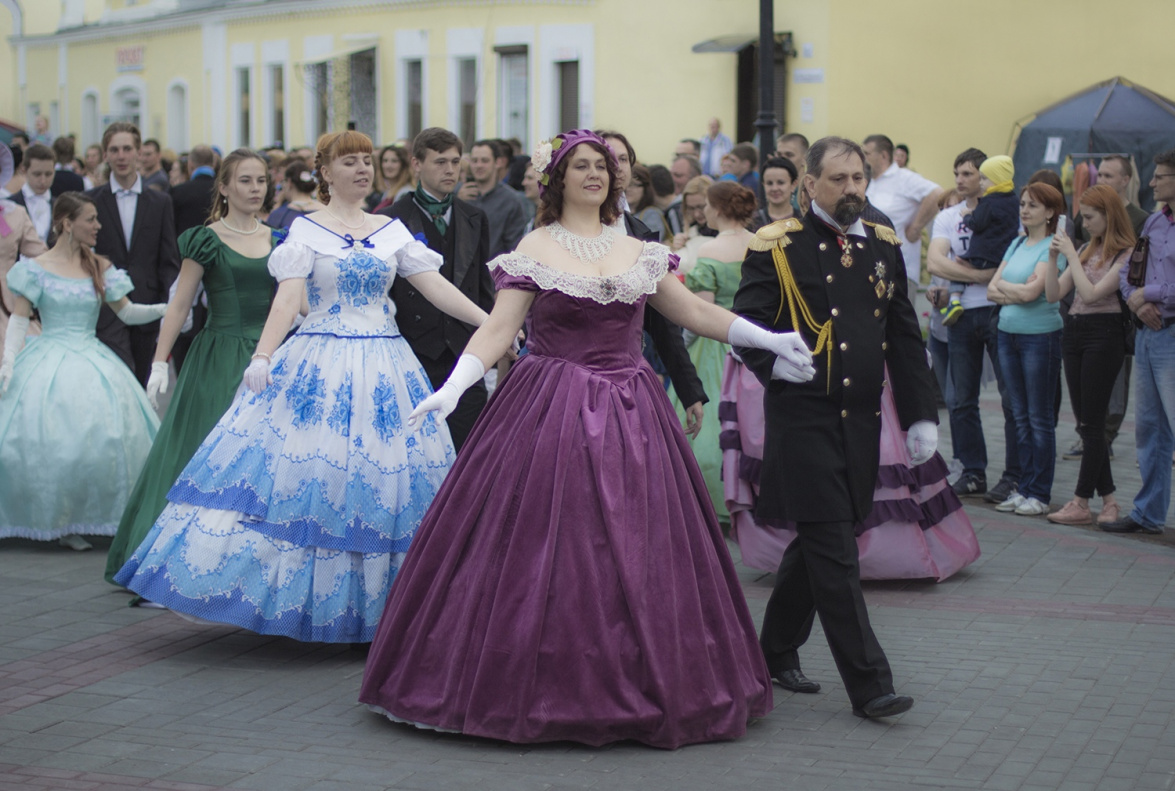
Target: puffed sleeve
x,y
201,244
510,271
702,277
118,283
25,281
291,259
415,257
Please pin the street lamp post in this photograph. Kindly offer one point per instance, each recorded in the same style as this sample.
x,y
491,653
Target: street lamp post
x,y
765,123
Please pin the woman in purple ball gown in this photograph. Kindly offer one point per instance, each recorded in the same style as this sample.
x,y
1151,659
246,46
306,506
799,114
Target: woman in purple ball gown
x,y
570,581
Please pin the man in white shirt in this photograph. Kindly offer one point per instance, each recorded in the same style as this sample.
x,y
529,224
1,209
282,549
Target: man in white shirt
x,y
908,199
969,338
35,195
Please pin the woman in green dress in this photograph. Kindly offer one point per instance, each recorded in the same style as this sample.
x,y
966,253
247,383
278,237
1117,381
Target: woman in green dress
x,y
715,278
230,257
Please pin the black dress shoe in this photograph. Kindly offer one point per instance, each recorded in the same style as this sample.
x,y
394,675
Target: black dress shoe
x,y
795,681
885,706
1128,525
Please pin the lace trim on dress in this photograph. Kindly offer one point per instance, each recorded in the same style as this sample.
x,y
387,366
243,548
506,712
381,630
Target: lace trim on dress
x,y
637,281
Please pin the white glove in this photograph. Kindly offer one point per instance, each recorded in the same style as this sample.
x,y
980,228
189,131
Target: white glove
x,y
466,373
18,327
921,442
157,382
257,376
794,358
134,313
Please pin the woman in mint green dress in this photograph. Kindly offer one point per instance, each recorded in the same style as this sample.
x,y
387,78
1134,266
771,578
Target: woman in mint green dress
x,y
230,258
75,426
715,278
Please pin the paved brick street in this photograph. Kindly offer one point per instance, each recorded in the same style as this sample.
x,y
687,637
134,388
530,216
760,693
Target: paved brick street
x,y
1048,664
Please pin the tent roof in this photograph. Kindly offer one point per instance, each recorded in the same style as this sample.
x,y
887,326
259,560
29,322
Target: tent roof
x,y
1116,104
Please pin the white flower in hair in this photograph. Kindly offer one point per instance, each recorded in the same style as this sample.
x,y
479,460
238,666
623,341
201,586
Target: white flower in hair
x,y
541,159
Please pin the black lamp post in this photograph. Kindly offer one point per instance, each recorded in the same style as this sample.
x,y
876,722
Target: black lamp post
x,y
765,123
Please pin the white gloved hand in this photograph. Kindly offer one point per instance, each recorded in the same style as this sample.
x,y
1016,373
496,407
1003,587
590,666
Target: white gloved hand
x,y
794,358
921,442
790,372
257,376
134,313
468,371
157,382
18,328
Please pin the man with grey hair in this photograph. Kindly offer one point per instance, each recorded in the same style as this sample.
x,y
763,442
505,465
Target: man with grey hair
x,y
840,281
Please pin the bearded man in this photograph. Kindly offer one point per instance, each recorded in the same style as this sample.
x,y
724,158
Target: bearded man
x,y
840,281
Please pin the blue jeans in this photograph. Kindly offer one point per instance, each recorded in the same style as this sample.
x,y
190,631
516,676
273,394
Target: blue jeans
x,y
1154,417
1032,367
940,355
969,338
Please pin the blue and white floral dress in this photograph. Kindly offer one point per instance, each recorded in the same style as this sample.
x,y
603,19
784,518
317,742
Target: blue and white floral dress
x,y
295,513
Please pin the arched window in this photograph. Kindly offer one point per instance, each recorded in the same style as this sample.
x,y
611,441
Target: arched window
x,y
91,118
177,116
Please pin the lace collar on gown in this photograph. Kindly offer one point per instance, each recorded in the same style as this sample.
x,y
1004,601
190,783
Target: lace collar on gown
x,y
639,280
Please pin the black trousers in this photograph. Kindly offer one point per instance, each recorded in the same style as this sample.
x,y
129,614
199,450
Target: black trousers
x,y
1092,350
820,575
468,407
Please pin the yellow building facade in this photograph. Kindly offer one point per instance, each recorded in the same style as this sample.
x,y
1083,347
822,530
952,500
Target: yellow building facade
x,y
937,75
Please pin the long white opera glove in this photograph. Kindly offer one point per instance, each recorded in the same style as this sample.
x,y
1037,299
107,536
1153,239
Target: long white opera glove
x,y
466,373
921,442
793,357
134,313
18,327
257,376
157,382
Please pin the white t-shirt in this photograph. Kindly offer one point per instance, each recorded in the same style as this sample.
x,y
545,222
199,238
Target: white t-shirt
x,y
949,225
898,192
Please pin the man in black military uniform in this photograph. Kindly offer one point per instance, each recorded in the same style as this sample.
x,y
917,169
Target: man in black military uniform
x,y
841,283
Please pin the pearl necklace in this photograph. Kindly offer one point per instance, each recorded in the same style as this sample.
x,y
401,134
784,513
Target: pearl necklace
x,y
588,249
362,222
256,226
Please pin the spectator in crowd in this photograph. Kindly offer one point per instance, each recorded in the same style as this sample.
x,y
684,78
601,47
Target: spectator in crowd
x,y
41,131
696,233
300,187
687,147
908,199
35,194
393,177
530,190
94,175
968,340
149,167
794,147
684,168
1094,342
780,179
936,340
641,201
192,200
21,140
744,166
17,179
901,155
714,146
1030,346
20,240
486,191
64,177
664,192
1153,302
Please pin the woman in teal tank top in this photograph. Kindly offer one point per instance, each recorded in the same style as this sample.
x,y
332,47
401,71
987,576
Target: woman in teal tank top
x,y
715,278
230,258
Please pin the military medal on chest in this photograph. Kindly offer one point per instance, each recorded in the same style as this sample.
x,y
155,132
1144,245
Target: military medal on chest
x,y
879,273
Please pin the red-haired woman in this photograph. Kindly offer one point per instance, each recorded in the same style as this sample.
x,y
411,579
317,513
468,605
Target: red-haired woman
x,y
1094,346
75,425
293,516
1029,338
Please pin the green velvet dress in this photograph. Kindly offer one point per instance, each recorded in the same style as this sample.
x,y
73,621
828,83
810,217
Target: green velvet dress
x,y
709,358
239,291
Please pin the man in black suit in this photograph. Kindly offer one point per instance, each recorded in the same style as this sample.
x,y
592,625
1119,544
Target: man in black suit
x,y
192,200
460,232
138,235
64,179
844,281
36,196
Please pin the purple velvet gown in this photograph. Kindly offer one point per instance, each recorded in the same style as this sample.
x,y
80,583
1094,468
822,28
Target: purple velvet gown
x,y
570,581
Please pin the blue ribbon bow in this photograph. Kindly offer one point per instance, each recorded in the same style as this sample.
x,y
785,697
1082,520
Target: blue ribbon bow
x,y
351,241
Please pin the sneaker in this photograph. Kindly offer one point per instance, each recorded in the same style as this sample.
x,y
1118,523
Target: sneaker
x,y
75,542
952,312
1014,501
1072,514
1074,452
970,484
1001,491
1031,507
1110,513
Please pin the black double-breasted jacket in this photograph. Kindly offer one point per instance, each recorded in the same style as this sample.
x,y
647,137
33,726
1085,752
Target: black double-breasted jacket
x,y
820,456
465,248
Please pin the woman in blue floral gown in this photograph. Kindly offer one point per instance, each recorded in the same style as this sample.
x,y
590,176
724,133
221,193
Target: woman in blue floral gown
x,y
295,513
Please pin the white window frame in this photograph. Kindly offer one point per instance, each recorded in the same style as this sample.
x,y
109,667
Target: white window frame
x,y
465,43
518,36
557,44
243,56
275,54
315,49
411,45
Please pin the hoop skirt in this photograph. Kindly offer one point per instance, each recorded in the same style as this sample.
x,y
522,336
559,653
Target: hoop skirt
x,y
239,291
570,582
917,529
75,424
293,516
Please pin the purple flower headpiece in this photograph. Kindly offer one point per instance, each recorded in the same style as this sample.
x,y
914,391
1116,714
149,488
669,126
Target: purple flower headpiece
x,y
548,152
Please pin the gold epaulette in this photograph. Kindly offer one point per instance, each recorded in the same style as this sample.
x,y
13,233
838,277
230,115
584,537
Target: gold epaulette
x,y
885,233
767,237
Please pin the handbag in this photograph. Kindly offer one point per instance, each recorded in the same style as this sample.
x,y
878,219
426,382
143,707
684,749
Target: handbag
x,y
1136,272
1129,325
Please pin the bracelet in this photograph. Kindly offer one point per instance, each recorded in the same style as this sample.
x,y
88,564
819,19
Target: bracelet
x,y
268,359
